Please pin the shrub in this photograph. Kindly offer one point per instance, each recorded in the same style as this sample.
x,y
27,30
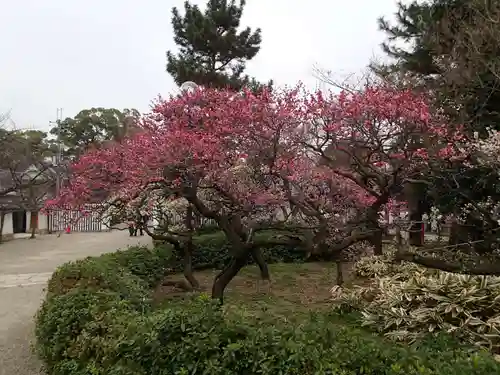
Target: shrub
x,y
150,265
196,338
69,327
414,302
375,266
90,324
213,251
87,331
88,303
97,273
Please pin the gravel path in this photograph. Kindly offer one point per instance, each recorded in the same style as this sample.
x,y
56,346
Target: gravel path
x,y
25,266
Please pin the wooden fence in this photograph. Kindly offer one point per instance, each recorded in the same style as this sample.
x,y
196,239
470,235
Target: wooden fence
x,y
77,221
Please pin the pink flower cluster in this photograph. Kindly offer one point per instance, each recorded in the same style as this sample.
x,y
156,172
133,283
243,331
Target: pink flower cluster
x,y
249,153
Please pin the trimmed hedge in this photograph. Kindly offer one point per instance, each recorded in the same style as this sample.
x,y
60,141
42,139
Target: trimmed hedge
x,y
88,299
97,319
213,251
125,271
196,338
69,328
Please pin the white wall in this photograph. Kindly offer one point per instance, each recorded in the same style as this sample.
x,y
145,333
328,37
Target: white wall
x,y
43,222
7,224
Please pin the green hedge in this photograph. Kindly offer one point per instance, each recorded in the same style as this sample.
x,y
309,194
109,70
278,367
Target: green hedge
x,y
213,251
88,298
125,271
197,338
97,319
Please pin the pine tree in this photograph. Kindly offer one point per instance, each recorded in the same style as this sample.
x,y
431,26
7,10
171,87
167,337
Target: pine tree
x,y
454,52
212,50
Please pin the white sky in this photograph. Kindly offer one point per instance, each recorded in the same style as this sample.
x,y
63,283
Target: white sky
x,y
78,54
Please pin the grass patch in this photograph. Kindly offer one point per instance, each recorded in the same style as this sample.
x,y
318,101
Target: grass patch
x,y
295,289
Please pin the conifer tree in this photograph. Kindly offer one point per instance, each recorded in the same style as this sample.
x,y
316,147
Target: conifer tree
x,y
213,51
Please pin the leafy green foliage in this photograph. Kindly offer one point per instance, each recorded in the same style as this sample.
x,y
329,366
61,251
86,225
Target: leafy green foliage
x,y
212,251
213,52
71,325
130,272
93,322
91,300
197,337
91,127
407,302
150,265
97,273
376,266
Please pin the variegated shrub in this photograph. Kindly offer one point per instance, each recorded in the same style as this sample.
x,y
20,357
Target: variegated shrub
x,y
384,265
406,308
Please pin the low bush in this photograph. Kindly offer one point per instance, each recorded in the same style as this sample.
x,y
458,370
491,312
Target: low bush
x,y
150,265
406,302
130,272
198,338
97,319
70,326
87,300
97,273
375,266
213,251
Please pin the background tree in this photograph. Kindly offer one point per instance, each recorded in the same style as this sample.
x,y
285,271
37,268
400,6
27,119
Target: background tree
x,y
27,178
454,56
91,127
212,51
454,47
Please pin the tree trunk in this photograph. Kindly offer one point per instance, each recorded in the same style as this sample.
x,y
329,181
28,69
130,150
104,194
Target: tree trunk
x,y
227,274
459,235
340,274
2,221
188,265
261,262
415,196
33,232
376,232
188,250
376,240
415,237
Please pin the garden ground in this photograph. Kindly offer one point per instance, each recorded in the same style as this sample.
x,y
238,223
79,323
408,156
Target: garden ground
x,y
295,289
25,266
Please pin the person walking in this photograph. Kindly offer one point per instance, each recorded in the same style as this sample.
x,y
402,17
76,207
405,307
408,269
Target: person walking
x,y
138,226
131,227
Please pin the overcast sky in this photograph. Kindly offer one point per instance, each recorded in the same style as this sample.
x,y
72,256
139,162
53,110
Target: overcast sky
x,y
78,54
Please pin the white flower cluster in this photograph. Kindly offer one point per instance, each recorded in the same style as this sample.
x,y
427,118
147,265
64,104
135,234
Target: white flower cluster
x,y
489,205
488,150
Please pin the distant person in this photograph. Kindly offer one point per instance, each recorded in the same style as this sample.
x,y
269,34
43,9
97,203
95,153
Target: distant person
x,y
139,226
131,227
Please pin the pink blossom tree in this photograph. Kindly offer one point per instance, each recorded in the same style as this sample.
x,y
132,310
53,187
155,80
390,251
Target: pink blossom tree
x,y
379,138
211,148
318,169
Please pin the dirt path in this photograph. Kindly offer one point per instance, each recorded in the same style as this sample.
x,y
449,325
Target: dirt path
x,y
25,266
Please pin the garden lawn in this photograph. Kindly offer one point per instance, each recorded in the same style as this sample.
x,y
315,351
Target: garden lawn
x,y
294,290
